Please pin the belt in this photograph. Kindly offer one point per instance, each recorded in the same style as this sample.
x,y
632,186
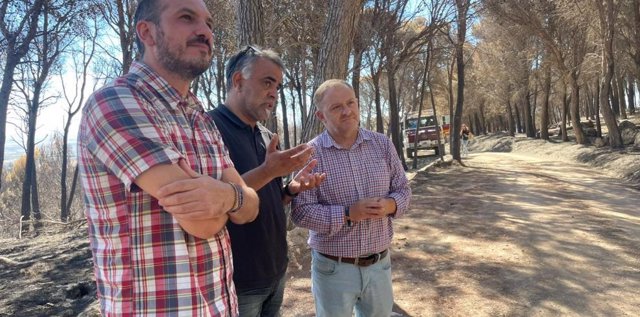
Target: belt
x,y
361,261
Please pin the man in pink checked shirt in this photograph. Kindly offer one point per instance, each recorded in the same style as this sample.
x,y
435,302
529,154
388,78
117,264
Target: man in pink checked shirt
x,y
350,215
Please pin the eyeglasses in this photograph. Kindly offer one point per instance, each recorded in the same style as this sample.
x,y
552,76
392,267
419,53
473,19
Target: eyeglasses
x,y
249,50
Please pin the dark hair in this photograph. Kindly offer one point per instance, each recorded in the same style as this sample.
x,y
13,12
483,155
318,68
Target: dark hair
x,y
147,10
242,61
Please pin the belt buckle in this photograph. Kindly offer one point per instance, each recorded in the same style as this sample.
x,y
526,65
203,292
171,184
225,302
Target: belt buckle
x,y
376,258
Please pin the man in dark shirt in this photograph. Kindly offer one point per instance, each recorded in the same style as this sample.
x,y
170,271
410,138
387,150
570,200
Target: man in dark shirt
x,y
260,247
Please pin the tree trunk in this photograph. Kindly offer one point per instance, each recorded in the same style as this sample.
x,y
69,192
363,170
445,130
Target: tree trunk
x,y
597,110
623,105
518,119
16,46
127,34
450,100
378,99
607,13
511,119
462,7
565,109
544,113
5,91
357,68
575,109
35,203
74,182
613,92
29,172
292,93
530,130
249,22
631,94
285,120
337,39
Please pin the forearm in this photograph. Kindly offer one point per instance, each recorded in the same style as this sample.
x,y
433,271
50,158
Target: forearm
x,y
250,201
204,229
257,177
157,176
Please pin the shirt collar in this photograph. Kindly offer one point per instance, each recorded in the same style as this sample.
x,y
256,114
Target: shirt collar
x,y
149,78
225,111
327,141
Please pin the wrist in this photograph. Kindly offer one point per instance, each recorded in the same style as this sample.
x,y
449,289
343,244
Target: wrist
x,y
288,191
238,198
347,216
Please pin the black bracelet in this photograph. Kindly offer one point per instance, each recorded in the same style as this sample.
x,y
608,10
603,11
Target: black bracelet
x,y
238,200
346,215
288,191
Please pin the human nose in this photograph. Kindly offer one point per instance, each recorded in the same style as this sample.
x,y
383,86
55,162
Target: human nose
x,y
204,30
273,92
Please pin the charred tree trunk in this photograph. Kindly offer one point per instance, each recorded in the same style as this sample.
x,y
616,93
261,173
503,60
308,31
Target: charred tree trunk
x,y
544,114
16,45
631,94
607,13
565,115
575,109
249,22
285,121
623,105
337,39
510,119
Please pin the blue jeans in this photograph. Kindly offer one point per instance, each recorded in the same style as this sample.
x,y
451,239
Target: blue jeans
x,y
465,148
338,288
262,301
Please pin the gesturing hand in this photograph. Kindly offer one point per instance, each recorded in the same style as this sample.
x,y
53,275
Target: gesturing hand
x,y
200,197
305,179
280,163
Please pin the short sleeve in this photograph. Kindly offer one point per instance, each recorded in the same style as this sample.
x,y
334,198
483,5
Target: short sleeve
x,y
126,134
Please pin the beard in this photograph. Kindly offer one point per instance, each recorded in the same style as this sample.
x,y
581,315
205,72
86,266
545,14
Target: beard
x,y
176,62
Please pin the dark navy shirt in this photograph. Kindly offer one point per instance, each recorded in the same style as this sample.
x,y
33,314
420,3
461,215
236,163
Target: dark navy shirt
x,y
260,247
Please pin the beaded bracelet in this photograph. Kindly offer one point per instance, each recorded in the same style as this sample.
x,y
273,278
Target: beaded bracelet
x,y
238,198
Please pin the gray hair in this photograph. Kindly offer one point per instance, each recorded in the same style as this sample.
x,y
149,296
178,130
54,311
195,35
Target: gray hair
x,y
243,61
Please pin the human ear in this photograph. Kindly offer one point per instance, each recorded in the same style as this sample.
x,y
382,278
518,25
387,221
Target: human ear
x,y
146,32
236,80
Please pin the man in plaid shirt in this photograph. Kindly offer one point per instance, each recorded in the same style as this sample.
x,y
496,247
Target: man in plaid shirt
x,y
350,215
159,185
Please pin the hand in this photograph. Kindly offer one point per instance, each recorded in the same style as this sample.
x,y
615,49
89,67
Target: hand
x,y
280,163
369,208
305,179
198,198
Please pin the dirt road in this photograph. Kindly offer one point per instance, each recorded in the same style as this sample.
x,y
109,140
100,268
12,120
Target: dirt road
x,y
507,235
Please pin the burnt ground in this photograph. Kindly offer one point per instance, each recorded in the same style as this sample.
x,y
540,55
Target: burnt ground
x,y
537,229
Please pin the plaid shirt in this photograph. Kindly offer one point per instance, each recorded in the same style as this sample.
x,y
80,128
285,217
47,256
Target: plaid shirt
x,y
145,264
370,168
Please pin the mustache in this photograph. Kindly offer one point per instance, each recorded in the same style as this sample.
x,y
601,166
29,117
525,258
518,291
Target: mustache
x,y
200,40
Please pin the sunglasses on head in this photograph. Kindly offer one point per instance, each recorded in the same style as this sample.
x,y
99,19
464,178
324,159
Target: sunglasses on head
x,y
249,50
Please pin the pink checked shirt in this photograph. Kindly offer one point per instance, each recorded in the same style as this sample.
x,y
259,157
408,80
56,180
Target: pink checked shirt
x,y
145,264
370,168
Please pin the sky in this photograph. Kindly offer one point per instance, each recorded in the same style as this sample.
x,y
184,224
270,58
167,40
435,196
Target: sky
x,y
51,118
